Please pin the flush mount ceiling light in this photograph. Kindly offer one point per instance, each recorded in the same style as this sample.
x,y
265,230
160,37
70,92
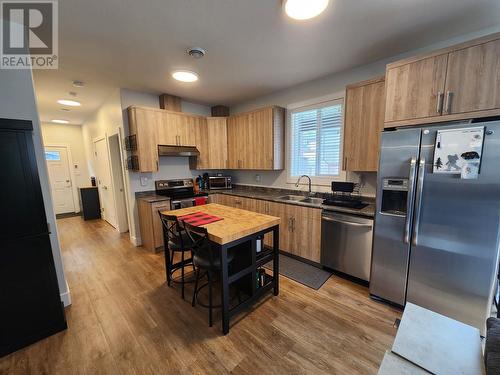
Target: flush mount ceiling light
x,y
185,76
71,103
78,83
304,9
61,121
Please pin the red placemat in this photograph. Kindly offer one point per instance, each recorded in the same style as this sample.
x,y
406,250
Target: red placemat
x,y
199,218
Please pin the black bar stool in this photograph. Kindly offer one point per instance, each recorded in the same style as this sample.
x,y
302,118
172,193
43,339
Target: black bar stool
x,y
205,259
175,240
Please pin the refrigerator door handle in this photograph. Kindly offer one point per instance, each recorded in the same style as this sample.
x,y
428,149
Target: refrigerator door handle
x,y
409,203
418,205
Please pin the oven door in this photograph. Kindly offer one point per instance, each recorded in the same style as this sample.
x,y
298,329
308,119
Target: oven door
x,y
176,204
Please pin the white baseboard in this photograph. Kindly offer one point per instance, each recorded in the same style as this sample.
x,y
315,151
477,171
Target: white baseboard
x,y
136,240
66,298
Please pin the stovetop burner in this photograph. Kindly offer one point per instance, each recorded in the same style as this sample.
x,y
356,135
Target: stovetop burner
x,y
177,189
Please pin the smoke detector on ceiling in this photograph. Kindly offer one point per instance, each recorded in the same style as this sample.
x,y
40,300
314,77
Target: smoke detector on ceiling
x,y
196,52
77,83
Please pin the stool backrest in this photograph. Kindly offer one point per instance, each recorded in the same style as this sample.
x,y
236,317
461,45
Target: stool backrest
x,y
172,231
199,237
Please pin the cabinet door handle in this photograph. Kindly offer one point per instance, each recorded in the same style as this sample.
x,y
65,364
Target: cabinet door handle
x,y
440,97
293,224
345,163
157,165
448,102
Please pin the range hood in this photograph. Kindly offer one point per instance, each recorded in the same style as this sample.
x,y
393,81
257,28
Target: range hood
x,y
177,151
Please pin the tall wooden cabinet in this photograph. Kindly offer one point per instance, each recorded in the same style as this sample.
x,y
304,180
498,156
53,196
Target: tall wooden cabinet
x,y
255,139
454,83
144,124
364,121
211,141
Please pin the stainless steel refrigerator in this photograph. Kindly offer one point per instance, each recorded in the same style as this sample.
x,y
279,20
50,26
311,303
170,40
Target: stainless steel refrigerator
x,y
436,237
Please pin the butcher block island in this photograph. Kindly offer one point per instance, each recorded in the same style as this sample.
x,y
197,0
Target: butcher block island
x,y
241,233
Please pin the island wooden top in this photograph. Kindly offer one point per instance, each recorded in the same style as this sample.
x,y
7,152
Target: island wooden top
x,y
237,223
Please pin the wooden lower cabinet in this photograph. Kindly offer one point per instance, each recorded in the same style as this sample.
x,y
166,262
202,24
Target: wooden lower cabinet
x,y
150,224
300,228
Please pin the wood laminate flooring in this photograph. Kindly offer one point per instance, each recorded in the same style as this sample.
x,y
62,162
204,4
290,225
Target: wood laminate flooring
x,y
125,320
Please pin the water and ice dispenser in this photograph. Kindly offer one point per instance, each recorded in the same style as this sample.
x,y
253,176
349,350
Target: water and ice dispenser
x,y
395,196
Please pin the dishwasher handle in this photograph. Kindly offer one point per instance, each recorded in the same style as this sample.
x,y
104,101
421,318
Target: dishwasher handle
x,y
329,219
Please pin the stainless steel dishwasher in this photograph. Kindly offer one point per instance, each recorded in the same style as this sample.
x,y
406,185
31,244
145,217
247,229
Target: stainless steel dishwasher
x,y
346,243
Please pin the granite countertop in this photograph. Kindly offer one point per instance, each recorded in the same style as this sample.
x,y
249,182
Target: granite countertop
x,y
150,197
272,194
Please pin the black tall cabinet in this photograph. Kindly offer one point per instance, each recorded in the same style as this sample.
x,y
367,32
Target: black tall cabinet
x,y
30,303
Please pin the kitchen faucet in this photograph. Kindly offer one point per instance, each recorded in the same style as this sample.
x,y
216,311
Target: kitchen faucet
x,y
298,181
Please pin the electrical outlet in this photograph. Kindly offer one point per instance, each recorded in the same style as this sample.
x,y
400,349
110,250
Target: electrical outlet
x,y
257,178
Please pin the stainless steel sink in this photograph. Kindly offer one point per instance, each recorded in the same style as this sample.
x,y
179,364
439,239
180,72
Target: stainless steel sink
x,y
312,200
295,198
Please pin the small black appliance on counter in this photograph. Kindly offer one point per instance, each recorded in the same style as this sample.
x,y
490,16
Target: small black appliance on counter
x,y
342,196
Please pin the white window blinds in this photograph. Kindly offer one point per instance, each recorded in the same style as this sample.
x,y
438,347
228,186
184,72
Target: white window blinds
x,y
316,140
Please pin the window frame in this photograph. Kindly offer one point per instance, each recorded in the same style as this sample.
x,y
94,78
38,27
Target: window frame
x,y
318,103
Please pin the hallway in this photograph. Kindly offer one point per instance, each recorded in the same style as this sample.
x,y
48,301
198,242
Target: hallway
x,y
125,320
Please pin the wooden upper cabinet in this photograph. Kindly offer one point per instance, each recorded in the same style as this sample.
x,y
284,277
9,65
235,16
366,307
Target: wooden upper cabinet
x,y
167,130
143,123
364,121
456,83
237,141
211,141
473,79
415,90
256,139
178,129
217,145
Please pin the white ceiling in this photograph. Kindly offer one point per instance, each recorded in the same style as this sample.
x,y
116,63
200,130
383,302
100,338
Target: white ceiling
x,y
252,48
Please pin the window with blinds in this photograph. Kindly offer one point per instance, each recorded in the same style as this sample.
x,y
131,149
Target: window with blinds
x,y
317,140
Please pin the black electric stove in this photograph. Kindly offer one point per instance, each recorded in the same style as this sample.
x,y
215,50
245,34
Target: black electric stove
x,y
181,192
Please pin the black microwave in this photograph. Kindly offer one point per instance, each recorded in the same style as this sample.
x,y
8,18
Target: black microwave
x,y
219,183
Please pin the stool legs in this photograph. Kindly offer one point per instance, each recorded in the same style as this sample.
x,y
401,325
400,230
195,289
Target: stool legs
x,y
193,302
182,274
168,263
210,323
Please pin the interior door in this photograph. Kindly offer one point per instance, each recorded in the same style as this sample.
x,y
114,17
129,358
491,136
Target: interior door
x,y
473,79
60,179
104,184
454,253
412,90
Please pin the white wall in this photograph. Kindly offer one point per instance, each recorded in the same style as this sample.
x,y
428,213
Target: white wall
x,y
71,135
322,87
17,101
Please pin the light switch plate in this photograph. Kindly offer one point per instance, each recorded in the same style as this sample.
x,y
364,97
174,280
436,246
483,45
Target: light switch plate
x,y
144,181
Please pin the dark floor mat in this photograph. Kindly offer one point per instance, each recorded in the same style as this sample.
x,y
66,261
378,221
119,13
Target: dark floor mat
x,y
303,273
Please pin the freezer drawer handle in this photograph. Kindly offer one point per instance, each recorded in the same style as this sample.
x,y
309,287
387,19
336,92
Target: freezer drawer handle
x,y
409,210
418,206
346,222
